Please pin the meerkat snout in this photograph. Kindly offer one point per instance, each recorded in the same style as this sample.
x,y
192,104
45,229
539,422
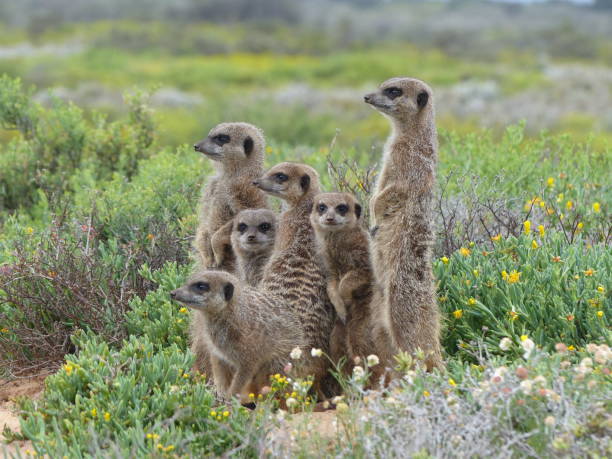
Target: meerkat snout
x,y
254,230
399,97
208,291
334,211
289,181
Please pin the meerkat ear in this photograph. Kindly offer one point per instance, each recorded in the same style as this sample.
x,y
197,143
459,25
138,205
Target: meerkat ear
x,y
228,291
422,99
358,211
305,182
248,145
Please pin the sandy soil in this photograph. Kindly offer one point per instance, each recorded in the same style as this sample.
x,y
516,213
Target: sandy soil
x,y
30,387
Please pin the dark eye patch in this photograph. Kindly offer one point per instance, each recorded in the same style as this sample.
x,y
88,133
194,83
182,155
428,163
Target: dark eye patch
x,y
321,208
342,209
422,99
242,227
201,286
265,227
221,139
281,177
392,92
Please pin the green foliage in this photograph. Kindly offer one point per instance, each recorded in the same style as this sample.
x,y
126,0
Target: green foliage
x,y
139,400
156,317
53,144
532,285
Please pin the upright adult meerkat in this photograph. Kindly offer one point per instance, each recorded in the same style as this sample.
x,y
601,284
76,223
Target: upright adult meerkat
x,y
237,150
343,245
293,275
402,215
251,236
249,333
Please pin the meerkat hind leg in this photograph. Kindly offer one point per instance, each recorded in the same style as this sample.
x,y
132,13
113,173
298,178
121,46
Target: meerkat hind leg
x,y
336,299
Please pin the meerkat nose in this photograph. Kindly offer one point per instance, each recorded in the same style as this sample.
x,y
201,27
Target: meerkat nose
x,y
255,182
251,238
195,147
366,98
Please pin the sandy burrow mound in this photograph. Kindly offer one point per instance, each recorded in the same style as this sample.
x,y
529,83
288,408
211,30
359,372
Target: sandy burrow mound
x,y
30,387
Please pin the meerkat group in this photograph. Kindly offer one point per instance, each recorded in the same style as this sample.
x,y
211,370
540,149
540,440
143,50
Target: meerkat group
x,y
313,277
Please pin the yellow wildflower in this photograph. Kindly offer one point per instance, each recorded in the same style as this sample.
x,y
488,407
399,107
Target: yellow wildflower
x,y
183,310
94,413
524,337
569,205
150,237
475,272
186,376
4,330
226,414
589,272
527,226
444,260
513,315
550,182
29,230
68,368
269,149
596,207
580,225
496,238
464,251
560,197
601,289
169,448
550,210
452,382
541,230
213,413
426,393
571,347
107,416
504,274
458,313
534,245
471,301
542,204
600,313
514,277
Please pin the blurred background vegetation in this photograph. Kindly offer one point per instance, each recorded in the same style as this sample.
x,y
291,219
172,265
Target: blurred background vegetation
x,y
299,68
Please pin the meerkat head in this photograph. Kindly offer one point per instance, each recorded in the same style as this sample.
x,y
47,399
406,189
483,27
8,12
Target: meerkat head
x,y
335,212
208,291
233,144
290,181
254,230
401,98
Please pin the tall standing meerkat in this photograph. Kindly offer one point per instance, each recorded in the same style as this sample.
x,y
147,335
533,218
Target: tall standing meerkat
x,y
237,150
252,240
402,212
343,245
250,334
293,274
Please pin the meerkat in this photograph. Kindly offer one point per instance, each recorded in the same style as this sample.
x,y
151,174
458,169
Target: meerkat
x,y
293,275
248,332
237,150
402,216
343,245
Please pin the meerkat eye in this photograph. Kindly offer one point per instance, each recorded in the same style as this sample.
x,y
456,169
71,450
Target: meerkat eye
x,y
202,286
342,209
321,208
281,177
221,139
392,93
242,227
264,227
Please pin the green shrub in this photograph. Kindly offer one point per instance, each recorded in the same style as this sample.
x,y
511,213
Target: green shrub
x,y
139,400
532,285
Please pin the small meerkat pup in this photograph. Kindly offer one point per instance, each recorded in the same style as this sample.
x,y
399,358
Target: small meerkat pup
x,y
252,240
403,217
343,245
250,334
237,150
294,275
